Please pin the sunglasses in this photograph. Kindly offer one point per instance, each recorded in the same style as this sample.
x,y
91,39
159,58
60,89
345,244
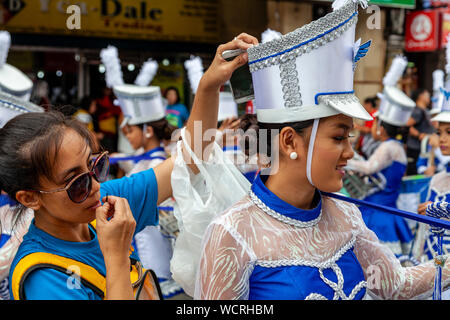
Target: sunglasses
x,y
79,188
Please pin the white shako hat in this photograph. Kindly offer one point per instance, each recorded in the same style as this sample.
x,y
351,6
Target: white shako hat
x,y
227,106
395,106
438,96
12,80
12,106
140,102
308,73
444,102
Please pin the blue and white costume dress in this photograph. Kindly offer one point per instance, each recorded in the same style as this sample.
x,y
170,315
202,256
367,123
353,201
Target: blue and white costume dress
x,y
264,248
439,190
155,248
440,161
387,164
11,235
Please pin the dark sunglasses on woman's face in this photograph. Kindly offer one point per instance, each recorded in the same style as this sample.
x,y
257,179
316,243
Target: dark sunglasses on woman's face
x,y
80,186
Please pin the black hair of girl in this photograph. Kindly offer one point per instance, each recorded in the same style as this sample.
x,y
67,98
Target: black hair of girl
x,y
253,131
395,132
29,144
176,91
161,128
416,93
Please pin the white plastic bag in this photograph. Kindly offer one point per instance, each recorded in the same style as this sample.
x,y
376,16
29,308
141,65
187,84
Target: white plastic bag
x,y
198,199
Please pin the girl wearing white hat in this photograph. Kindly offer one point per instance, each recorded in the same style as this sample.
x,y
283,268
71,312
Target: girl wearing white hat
x,y
287,239
439,188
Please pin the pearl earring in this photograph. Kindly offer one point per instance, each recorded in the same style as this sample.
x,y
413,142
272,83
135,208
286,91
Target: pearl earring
x,y
293,155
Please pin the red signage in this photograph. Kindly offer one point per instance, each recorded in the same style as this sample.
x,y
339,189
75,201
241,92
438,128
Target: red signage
x,y
422,31
445,29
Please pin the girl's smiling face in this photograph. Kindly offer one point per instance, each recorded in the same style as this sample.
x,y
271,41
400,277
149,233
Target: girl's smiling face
x,y
332,149
443,132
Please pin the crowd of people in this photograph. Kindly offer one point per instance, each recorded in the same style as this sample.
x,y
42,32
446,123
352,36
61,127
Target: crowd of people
x,y
128,197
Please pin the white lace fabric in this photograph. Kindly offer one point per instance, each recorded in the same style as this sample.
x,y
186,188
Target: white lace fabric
x,y
245,236
9,249
386,153
440,185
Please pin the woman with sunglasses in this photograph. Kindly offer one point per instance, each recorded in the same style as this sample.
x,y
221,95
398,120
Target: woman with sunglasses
x,y
48,163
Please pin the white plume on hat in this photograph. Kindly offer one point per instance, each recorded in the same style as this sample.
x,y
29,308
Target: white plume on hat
x,y
194,67
111,61
447,55
269,35
147,73
5,43
438,79
395,72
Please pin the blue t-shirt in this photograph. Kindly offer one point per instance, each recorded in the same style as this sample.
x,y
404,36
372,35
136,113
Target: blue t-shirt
x,y
177,114
140,190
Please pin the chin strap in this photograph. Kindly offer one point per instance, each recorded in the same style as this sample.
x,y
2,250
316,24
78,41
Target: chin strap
x,y
311,150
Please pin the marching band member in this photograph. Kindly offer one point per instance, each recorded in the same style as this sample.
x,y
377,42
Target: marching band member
x,y
431,160
388,164
439,188
286,239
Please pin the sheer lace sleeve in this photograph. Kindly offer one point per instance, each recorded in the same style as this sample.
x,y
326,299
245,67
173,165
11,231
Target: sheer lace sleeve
x,y
385,276
224,266
384,155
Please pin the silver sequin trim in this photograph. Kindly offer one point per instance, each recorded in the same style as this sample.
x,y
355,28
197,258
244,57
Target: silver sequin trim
x,y
338,287
12,102
280,217
338,99
314,35
290,84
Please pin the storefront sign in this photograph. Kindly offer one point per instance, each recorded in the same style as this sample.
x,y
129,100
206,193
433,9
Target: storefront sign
x,y
422,31
172,20
410,4
445,27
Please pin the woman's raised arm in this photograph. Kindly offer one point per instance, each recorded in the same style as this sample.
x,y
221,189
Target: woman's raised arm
x,y
204,112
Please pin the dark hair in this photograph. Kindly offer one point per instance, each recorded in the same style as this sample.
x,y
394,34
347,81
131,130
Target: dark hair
x,y
29,144
416,93
162,129
85,103
252,132
372,101
395,132
176,91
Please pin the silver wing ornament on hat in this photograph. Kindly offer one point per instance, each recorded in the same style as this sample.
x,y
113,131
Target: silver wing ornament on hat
x,y
308,73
